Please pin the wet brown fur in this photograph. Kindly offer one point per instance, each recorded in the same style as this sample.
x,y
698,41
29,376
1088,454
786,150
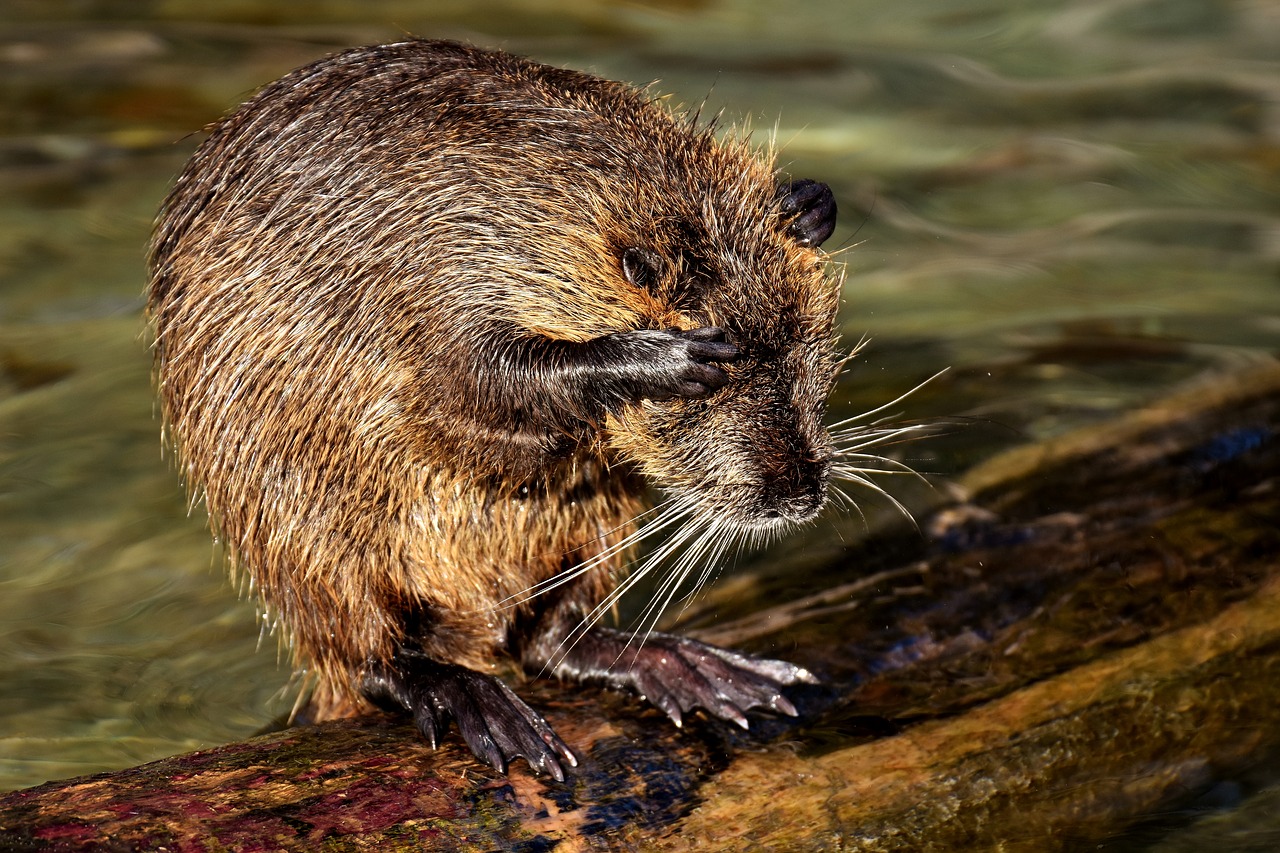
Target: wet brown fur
x,y
340,255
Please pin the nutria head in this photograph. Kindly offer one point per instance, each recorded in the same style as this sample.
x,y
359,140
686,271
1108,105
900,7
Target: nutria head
x,y
754,455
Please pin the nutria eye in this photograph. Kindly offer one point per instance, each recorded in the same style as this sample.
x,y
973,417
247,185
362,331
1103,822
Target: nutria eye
x,y
641,267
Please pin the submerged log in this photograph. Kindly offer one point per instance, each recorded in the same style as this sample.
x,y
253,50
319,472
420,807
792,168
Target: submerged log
x,y
1091,636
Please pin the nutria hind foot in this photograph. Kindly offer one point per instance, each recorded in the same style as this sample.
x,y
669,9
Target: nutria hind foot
x,y
678,674
495,722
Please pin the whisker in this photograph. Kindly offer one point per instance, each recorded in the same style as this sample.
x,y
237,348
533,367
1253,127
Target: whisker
x,y
661,599
849,356
849,502
883,465
709,535
697,533
679,511
723,538
852,475
882,429
709,551
670,514
889,404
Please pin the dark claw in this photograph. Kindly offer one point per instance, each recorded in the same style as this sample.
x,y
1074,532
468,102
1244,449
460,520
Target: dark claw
x,y
810,210
708,344
702,333
495,723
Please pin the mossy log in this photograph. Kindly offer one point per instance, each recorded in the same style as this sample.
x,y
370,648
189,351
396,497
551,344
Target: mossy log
x,y
1091,635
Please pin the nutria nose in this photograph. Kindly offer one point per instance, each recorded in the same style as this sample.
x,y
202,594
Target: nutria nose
x,y
798,491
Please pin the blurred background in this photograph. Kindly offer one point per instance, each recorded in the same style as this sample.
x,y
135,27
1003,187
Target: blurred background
x,y
1073,205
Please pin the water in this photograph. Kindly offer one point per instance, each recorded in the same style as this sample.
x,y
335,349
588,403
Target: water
x,y
1071,204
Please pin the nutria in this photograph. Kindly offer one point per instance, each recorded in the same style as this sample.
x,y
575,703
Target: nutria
x,y
428,319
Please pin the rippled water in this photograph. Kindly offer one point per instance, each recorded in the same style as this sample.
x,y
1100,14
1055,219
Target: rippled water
x,y
1073,205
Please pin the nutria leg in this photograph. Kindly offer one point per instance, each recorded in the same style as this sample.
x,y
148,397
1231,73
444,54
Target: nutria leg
x,y
678,674
811,209
496,724
622,368
659,364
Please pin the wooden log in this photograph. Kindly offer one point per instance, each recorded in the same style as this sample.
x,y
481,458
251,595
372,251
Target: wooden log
x,y
1091,636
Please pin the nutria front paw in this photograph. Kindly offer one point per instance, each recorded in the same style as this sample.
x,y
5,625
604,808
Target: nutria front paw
x,y
678,674
669,363
810,209
495,722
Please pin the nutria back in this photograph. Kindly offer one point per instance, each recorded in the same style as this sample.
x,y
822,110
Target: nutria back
x,y
427,320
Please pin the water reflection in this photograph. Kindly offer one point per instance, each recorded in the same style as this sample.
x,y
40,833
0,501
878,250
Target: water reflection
x,y
1072,204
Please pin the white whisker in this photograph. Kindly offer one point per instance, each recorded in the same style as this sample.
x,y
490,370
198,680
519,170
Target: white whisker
x,y
849,356
889,404
671,513
878,433
883,465
678,511
721,539
857,475
849,502
671,584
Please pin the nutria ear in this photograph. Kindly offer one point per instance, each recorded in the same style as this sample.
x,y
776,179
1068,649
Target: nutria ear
x,y
642,267
809,209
